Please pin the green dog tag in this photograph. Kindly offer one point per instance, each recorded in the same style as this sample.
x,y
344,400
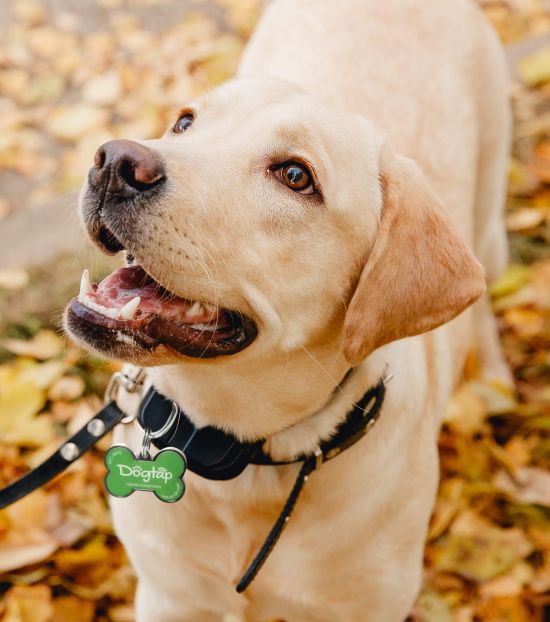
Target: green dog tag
x,y
162,474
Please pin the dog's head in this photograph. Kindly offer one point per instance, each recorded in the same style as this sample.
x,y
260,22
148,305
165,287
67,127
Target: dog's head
x,y
265,221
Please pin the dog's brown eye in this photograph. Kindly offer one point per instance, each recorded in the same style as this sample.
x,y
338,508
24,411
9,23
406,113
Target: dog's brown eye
x,y
183,123
297,177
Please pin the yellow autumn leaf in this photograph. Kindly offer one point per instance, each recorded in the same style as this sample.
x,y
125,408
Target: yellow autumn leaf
x,y
18,403
515,277
28,603
535,68
505,609
95,551
430,607
44,374
72,609
34,433
478,550
44,345
465,412
498,399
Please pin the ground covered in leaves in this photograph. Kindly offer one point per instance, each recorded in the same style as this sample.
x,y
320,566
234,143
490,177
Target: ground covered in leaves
x,y
68,83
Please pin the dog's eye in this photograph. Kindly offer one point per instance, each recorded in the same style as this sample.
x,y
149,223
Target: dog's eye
x,y
297,177
183,123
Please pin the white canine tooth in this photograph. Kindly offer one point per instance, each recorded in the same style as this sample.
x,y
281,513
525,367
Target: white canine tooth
x,y
196,309
85,285
129,309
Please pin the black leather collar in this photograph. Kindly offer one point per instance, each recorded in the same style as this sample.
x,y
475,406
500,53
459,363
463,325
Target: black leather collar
x,y
216,455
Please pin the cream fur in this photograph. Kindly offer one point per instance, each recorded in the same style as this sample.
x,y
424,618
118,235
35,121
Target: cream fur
x,y
430,79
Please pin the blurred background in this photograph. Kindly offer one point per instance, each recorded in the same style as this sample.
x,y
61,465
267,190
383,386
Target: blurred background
x,y
76,73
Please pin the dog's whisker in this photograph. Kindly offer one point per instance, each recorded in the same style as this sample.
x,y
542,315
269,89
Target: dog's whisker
x,y
335,382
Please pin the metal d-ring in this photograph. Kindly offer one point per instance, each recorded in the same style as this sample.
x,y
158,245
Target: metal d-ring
x,y
165,428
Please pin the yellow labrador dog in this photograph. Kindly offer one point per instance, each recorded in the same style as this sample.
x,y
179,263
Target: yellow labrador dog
x,y
320,213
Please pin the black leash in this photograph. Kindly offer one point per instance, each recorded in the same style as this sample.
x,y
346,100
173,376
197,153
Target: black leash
x,y
78,444
209,451
307,467
102,423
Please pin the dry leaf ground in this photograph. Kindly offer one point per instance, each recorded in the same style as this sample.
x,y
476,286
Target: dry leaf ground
x,y
75,74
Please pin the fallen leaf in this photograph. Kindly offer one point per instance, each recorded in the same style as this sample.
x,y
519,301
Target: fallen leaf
x,y
540,582
13,278
430,607
104,89
67,388
93,552
535,68
45,345
478,550
515,277
122,613
525,485
524,219
72,609
30,12
20,402
465,411
44,374
498,399
70,123
504,609
14,556
509,584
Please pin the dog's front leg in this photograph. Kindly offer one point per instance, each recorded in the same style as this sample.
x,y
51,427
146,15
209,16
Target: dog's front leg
x,y
154,605
178,551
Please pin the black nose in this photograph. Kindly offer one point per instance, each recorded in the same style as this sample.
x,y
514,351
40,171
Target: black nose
x,y
126,168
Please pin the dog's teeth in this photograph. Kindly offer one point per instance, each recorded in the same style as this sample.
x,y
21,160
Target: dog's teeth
x,y
85,285
91,304
196,309
129,309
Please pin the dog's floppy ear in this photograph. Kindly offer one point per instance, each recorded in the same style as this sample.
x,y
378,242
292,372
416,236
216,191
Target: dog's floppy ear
x,y
419,274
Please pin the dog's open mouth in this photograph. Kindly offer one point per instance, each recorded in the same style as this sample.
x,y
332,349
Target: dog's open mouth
x,y
129,307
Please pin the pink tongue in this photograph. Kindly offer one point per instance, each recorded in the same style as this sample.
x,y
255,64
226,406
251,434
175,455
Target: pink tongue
x,y
125,284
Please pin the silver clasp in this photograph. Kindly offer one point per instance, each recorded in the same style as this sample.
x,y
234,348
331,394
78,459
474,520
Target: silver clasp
x,y
129,382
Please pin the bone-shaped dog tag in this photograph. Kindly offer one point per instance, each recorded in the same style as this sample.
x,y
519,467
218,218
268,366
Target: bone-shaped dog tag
x,y
162,474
